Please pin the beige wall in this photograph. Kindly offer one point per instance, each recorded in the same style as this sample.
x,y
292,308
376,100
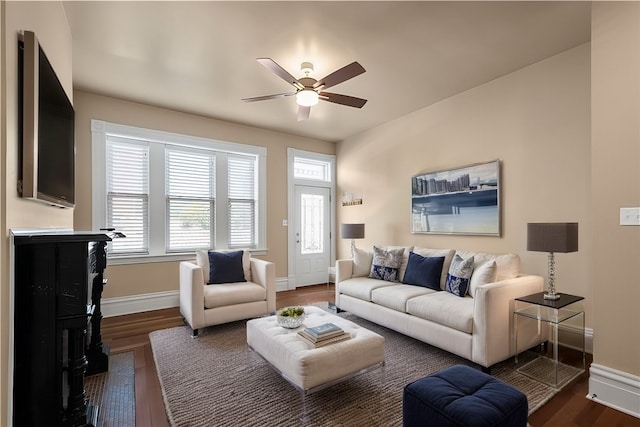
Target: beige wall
x,y
536,120
48,21
136,279
615,174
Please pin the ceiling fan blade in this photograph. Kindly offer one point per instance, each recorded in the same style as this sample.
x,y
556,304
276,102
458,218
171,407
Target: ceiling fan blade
x,y
350,101
343,74
264,98
303,113
280,72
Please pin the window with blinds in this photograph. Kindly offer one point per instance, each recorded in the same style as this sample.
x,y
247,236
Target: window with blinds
x,y
242,201
172,194
190,194
127,167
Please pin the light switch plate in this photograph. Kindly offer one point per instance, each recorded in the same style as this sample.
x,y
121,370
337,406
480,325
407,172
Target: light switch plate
x,y
285,223
629,216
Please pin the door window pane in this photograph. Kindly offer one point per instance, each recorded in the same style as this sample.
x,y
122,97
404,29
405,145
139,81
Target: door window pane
x,y
311,169
312,224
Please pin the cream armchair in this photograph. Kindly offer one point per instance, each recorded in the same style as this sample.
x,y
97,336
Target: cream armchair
x,y
204,305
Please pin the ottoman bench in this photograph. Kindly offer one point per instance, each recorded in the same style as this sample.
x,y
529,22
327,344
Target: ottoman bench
x,y
311,369
463,396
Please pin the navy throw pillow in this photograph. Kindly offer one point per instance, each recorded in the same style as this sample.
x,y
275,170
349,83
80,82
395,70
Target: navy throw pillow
x,y
225,267
424,271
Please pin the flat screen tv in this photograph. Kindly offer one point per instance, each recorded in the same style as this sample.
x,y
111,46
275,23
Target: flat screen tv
x,y
46,165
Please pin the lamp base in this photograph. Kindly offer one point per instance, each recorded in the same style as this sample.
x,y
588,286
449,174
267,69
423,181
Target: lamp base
x,y
552,297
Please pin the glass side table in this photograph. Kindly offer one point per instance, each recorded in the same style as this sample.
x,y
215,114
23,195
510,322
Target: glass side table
x,y
564,313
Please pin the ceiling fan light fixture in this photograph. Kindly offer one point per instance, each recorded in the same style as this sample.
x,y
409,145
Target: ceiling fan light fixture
x,y
307,98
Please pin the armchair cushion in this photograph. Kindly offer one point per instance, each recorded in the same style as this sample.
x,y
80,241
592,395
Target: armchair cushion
x,y
202,260
227,294
225,267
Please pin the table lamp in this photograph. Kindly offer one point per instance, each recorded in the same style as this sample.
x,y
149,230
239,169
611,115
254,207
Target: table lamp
x,y
352,231
552,237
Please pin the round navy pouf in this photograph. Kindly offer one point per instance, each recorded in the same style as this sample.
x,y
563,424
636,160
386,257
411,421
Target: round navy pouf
x,y
463,396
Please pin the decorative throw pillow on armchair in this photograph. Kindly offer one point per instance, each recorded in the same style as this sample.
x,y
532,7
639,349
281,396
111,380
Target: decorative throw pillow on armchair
x,y
225,267
202,260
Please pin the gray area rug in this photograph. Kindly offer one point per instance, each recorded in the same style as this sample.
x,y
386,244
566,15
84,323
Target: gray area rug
x,y
216,380
114,391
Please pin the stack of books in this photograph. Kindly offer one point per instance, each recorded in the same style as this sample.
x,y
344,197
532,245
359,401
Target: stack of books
x,y
321,335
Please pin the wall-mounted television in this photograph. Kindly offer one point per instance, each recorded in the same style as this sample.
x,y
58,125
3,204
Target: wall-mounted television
x,y
47,152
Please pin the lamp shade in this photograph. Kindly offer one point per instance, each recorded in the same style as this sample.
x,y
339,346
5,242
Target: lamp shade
x,y
352,231
561,237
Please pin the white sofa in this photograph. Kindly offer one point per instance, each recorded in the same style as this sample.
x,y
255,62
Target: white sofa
x,y
477,327
207,305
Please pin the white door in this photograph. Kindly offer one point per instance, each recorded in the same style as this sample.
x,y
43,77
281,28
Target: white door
x,y
312,235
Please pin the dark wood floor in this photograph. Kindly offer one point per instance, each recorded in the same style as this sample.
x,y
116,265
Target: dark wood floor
x,y
570,407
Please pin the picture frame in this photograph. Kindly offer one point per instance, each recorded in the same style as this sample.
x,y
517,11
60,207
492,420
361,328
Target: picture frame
x,y
464,200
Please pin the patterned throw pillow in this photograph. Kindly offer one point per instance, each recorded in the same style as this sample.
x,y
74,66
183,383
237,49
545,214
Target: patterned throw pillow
x,y
459,275
386,264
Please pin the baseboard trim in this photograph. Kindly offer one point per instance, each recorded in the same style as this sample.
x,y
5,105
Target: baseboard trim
x,y
119,306
282,284
570,338
616,389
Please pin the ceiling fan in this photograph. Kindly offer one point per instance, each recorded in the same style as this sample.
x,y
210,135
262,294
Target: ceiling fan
x,y
309,90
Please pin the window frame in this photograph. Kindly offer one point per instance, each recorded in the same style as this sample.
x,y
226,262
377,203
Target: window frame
x,y
157,198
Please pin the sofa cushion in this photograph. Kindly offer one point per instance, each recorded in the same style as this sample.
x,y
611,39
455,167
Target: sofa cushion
x,y
508,265
396,297
386,264
361,287
444,308
226,294
423,271
361,262
459,275
448,257
225,267
482,274
202,260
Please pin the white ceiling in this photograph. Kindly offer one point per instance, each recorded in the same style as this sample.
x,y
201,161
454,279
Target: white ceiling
x,y
199,57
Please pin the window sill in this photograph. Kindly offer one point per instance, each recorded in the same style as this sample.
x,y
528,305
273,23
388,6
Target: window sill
x,y
148,259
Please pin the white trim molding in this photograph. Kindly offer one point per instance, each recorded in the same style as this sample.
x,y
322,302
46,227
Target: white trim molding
x,y
282,284
615,389
119,306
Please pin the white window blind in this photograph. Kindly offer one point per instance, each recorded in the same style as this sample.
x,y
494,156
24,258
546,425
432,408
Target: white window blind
x,y
242,181
127,167
190,194
171,194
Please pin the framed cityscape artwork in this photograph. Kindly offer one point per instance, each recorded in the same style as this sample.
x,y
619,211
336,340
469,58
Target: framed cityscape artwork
x,y
465,200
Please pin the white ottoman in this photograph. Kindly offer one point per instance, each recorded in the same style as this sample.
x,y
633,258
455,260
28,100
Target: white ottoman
x,y
311,369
